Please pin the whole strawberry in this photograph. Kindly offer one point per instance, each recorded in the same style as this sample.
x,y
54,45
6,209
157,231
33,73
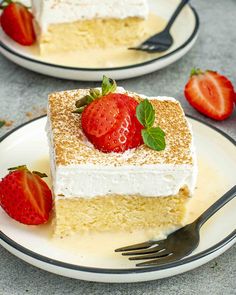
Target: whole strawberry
x,y
116,122
17,22
211,94
25,196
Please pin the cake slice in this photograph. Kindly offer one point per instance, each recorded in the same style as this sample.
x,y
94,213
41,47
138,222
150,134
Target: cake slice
x,y
138,189
81,24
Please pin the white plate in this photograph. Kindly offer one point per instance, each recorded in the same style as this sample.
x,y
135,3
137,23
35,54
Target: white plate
x,y
184,31
92,257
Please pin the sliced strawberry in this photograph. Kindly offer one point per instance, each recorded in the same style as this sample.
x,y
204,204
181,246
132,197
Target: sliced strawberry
x,y
135,137
99,117
110,123
211,94
17,23
115,140
25,197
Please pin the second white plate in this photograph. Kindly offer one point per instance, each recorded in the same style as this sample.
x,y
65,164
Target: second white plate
x,y
185,32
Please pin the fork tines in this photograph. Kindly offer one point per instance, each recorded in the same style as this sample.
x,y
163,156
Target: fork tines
x,y
150,47
137,246
145,251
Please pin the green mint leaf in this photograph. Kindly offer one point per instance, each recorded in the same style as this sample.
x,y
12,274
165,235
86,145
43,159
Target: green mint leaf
x,y
154,138
2,123
145,113
108,85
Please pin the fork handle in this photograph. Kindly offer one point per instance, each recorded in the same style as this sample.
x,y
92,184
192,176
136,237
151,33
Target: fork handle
x,y
175,14
216,206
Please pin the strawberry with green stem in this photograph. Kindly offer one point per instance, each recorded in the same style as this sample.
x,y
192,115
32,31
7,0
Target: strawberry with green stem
x,y
25,196
17,22
116,122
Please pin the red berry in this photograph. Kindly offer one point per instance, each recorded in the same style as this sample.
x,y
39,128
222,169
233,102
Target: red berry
x,y
135,137
110,123
211,94
25,197
115,140
17,23
100,116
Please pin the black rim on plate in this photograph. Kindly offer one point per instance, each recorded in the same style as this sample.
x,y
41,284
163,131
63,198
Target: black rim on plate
x,y
193,35
57,263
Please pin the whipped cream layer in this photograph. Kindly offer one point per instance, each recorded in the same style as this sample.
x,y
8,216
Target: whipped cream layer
x,y
48,12
149,181
89,180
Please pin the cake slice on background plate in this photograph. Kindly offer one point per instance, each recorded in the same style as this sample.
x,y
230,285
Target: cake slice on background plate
x,y
119,162
81,24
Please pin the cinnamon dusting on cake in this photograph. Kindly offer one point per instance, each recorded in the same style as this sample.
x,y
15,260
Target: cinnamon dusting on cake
x,y
71,146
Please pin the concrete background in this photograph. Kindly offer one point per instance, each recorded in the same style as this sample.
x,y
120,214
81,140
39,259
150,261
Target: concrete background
x,y
23,95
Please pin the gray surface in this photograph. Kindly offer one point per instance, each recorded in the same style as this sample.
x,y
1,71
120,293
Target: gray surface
x,y
22,91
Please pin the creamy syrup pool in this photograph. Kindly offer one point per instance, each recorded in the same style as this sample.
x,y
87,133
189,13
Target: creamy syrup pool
x,y
100,58
99,248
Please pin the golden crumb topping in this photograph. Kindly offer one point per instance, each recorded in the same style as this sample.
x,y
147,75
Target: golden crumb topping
x,y
72,147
